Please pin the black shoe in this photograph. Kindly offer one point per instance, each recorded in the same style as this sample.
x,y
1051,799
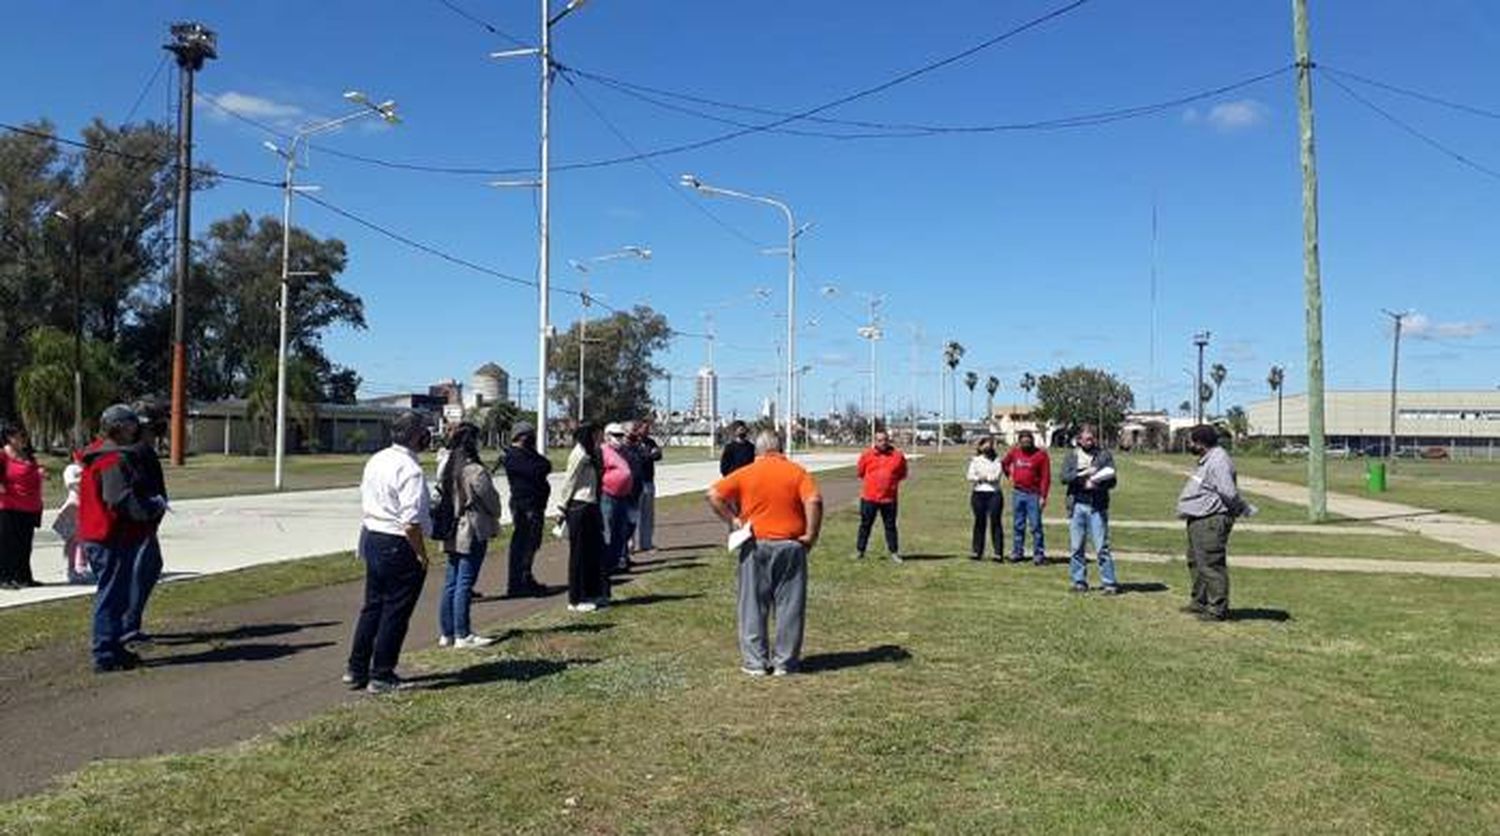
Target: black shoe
x,y
31,583
10,585
976,557
1079,588
137,637
122,661
354,681
1039,561
385,686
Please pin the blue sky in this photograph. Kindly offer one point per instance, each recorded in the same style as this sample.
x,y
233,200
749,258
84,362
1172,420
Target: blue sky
x,y
1031,248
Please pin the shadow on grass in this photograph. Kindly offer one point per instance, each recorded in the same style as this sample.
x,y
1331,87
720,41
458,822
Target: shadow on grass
x,y
654,598
665,566
919,557
235,653
561,629
691,547
499,670
826,662
1144,587
1259,614
240,633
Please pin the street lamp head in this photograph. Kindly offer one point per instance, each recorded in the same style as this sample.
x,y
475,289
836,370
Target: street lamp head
x,y
691,181
578,265
643,253
387,111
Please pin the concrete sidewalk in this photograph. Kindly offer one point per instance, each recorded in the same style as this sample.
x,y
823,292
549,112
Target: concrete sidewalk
x,y
221,534
1439,569
1454,529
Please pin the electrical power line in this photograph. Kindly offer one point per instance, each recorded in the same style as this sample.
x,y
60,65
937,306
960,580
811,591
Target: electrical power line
x,y
1398,122
672,186
146,90
1415,94
141,158
483,24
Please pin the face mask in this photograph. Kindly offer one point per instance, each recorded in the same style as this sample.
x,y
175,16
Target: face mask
x,y
989,453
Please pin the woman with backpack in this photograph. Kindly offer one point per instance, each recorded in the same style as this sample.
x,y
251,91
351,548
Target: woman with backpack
x,y
588,577
20,506
466,517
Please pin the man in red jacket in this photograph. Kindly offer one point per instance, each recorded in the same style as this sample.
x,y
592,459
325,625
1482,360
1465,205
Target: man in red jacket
x,y
1030,472
881,469
116,515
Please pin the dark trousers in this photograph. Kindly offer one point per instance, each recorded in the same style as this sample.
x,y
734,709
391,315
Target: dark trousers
x,y
114,566
867,510
587,574
525,538
143,578
1208,552
17,529
393,583
987,506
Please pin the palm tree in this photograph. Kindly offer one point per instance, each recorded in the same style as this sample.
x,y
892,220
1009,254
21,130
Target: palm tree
x,y
953,354
1275,379
1218,373
1028,383
991,386
1185,408
971,379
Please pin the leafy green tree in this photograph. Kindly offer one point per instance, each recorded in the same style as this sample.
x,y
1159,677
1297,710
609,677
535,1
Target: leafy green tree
x,y
44,388
619,365
495,421
1076,396
302,397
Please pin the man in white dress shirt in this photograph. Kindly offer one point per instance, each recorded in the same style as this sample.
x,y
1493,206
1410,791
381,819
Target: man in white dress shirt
x,y
392,543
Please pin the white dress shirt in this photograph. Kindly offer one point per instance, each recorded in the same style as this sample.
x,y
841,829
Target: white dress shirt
x,y
393,493
985,473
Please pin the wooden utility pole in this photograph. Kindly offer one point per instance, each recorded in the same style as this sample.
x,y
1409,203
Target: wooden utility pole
x,y
1317,464
1396,320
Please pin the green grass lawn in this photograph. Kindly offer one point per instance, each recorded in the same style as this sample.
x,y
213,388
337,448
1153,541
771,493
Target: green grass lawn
x,y
1461,487
943,696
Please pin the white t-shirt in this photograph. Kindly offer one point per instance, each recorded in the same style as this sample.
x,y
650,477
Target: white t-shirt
x,y
985,473
393,493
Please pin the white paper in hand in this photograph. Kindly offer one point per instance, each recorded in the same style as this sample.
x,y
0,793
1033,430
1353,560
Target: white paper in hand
x,y
739,537
560,530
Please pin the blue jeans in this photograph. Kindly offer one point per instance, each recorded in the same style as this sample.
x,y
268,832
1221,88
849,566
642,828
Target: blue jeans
x,y
114,566
458,585
143,580
617,527
1028,511
1095,523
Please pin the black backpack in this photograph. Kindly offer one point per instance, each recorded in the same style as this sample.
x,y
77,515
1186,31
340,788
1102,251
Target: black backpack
x,y
444,517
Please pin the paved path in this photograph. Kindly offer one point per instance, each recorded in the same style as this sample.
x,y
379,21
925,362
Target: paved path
x,y
239,671
207,536
1265,528
1454,529
1337,564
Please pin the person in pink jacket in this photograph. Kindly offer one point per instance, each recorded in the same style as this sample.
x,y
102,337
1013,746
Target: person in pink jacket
x,y
618,487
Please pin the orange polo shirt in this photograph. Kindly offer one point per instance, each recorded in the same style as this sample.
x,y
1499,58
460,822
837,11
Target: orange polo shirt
x,y
770,493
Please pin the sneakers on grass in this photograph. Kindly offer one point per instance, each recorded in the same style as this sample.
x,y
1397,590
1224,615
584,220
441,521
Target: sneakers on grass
x,y
750,671
445,641
1079,588
472,640
584,606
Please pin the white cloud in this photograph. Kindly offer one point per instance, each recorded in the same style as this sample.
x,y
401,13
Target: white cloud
x,y
1421,327
258,108
1227,117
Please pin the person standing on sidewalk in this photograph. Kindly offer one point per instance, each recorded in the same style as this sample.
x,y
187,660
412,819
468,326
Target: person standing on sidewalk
x,y
396,506
780,502
1030,471
116,515
1210,502
21,481
476,514
618,491
649,453
1089,471
526,471
148,563
588,578
985,499
738,450
881,469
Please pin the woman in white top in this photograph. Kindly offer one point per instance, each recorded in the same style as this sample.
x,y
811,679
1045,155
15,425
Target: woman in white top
x,y
587,574
986,499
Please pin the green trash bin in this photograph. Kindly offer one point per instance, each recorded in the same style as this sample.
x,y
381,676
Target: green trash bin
x,y
1375,476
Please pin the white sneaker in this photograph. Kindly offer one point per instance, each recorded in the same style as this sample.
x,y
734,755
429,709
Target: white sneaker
x,y
472,640
444,641
586,606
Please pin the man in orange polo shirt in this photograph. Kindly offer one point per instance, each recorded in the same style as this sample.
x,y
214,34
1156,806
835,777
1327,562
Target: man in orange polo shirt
x,y
781,504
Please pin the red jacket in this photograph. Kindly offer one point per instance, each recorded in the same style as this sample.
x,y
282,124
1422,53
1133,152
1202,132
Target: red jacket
x,y
881,473
112,507
22,483
1029,472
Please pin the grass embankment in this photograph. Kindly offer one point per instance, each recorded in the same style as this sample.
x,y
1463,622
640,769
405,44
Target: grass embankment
x,y
942,696
1459,487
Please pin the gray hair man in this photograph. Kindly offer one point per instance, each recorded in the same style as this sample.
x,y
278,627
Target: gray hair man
x,y
1210,502
780,503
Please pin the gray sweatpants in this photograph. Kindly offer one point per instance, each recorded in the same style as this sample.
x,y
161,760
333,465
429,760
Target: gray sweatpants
x,y
773,573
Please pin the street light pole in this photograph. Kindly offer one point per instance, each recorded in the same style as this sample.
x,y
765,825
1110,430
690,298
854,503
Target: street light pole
x,y
583,267
385,110
75,223
1396,319
793,232
1200,340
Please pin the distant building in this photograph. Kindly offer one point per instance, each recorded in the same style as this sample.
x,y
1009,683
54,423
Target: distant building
x,y
489,384
1460,421
706,394
450,390
1008,420
225,427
